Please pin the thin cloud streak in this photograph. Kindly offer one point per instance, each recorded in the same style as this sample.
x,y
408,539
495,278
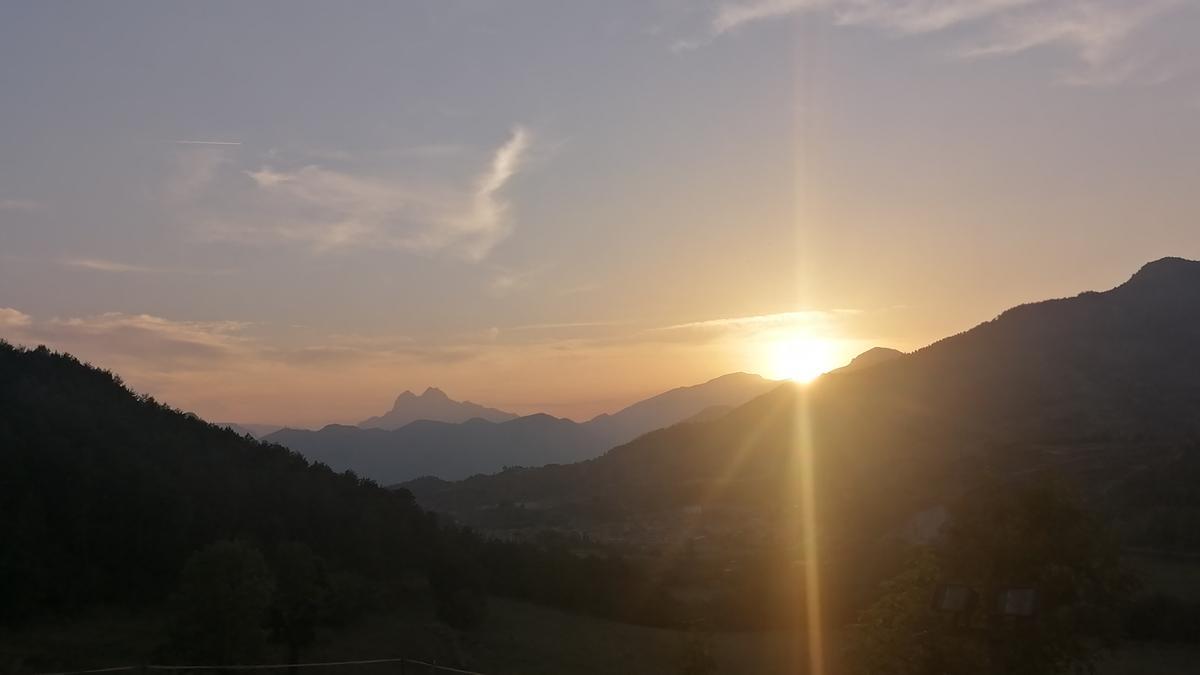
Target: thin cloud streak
x,y
112,266
98,265
20,205
764,320
1094,32
207,142
905,17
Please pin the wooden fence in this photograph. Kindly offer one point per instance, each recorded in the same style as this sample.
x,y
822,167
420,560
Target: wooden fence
x,y
405,666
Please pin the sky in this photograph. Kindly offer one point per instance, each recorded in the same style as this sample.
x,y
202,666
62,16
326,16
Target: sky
x,y
288,212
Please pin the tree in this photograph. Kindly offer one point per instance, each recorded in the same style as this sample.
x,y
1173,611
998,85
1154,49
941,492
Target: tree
x,y
998,538
222,600
458,594
301,592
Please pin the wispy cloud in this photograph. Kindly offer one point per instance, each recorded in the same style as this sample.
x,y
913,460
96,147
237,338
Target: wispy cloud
x,y
218,366
12,318
146,343
101,265
903,16
97,265
803,317
732,16
148,338
487,217
328,209
20,205
506,282
564,325
1095,33
196,166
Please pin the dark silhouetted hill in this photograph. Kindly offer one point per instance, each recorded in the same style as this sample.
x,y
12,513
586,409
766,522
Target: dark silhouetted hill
x,y
434,405
104,494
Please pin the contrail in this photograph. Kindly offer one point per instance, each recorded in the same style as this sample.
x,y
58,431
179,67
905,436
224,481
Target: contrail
x,y
208,142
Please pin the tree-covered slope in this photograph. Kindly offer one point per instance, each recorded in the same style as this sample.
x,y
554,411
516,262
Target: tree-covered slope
x,y
104,494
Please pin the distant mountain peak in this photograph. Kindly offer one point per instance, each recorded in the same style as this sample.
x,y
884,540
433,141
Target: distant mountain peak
x,y
1166,271
740,375
872,357
433,405
680,403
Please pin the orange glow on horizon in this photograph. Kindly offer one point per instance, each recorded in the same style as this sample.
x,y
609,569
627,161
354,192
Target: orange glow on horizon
x,y
798,358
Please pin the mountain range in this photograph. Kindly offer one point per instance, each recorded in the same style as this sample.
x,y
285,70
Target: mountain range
x,y
453,449
105,494
1102,388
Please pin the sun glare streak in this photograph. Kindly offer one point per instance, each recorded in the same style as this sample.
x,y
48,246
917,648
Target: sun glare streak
x,y
803,445
811,78
712,492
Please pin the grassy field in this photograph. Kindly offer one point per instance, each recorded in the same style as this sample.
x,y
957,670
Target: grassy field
x,y
518,639
530,640
1179,577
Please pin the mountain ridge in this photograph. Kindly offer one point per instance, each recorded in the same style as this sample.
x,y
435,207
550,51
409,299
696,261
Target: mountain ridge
x,y
459,449
1087,386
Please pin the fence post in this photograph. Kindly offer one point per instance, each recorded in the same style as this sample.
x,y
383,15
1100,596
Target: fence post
x,y
402,665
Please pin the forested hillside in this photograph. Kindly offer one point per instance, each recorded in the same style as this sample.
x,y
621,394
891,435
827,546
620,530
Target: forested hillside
x,y
104,494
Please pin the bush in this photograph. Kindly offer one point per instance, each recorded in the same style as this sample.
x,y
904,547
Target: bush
x,y
222,601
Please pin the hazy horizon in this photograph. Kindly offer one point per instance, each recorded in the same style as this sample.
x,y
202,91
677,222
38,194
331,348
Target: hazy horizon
x,y
281,213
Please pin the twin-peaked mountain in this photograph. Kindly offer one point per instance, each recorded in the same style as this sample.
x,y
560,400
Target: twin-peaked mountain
x,y
439,442
435,406
1102,388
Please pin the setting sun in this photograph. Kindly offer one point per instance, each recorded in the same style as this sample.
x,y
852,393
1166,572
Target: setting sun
x,y
801,359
